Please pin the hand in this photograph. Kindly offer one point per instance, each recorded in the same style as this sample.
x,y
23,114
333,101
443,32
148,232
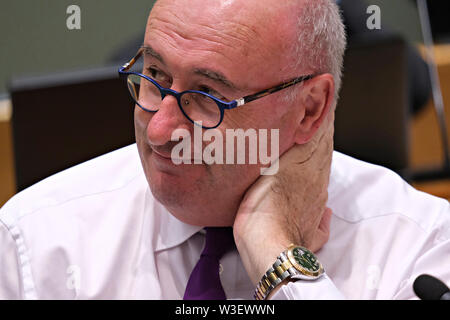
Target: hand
x,y
286,208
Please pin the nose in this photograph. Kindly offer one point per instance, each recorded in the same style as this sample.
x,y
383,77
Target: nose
x,y
165,121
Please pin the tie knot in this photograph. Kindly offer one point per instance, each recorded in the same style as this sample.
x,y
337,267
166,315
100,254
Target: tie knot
x,y
219,240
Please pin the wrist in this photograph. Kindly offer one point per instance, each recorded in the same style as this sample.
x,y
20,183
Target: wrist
x,y
294,263
258,257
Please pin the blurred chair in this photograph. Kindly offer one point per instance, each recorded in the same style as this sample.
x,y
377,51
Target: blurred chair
x,y
372,116
64,119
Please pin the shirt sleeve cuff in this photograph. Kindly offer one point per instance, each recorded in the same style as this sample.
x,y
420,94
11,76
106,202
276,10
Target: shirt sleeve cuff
x,y
320,289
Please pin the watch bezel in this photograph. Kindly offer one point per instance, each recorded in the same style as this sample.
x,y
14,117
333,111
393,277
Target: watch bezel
x,y
300,268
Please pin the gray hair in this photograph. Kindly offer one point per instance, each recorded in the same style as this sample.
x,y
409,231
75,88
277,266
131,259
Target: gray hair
x,y
321,41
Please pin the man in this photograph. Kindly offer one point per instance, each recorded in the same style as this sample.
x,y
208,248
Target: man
x,y
354,17
129,226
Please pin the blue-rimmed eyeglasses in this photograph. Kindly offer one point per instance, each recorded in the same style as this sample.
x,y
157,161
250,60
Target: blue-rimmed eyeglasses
x,y
198,107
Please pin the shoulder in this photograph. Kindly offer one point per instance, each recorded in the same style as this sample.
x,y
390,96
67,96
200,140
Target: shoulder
x,y
359,191
109,172
87,216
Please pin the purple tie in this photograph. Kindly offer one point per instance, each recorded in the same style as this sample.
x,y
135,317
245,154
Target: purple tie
x,y
204,282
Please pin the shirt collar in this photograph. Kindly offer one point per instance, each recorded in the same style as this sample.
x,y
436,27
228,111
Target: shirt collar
x,y
168,232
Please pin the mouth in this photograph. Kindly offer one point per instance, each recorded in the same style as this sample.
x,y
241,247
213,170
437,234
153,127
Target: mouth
x,y
161,154
176,161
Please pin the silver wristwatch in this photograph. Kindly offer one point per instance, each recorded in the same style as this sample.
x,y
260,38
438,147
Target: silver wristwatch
x,y
294,263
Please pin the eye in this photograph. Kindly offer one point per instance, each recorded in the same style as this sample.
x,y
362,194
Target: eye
x,y
212,92
157,75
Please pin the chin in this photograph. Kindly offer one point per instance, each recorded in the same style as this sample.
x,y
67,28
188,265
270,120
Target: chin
x,y
167,189
190,192
189,204
203,219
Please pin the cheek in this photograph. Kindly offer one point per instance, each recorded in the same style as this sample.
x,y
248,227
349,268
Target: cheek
x,y
269,113
141,120
244,117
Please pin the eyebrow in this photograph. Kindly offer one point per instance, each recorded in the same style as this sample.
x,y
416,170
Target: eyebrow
x,y
212,75
148,50
215,76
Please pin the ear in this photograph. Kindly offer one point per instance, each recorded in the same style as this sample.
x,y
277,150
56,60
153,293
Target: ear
x,y
316,98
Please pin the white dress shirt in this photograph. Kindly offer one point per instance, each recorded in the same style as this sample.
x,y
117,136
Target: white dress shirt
x,y
95,232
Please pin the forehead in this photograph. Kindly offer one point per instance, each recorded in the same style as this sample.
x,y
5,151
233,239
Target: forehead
x,y
230,34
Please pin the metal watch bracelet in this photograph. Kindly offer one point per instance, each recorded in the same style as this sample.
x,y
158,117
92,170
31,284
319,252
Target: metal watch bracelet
x,y
280,270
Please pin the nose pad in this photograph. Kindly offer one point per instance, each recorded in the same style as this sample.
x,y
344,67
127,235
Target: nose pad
x,y
169,104
169,92
177,96
166,120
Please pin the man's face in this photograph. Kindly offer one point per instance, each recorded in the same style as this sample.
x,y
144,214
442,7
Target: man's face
x,y
192,43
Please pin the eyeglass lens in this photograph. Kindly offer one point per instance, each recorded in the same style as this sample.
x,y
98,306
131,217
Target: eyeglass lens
x,y
198,107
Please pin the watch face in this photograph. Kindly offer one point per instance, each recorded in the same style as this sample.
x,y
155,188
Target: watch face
x,y
306,260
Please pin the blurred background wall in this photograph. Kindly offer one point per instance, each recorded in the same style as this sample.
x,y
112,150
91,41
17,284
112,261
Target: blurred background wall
x,y
34,38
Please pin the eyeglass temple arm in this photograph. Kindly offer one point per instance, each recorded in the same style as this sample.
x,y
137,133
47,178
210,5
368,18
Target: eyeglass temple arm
x,y
266,92
130,63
